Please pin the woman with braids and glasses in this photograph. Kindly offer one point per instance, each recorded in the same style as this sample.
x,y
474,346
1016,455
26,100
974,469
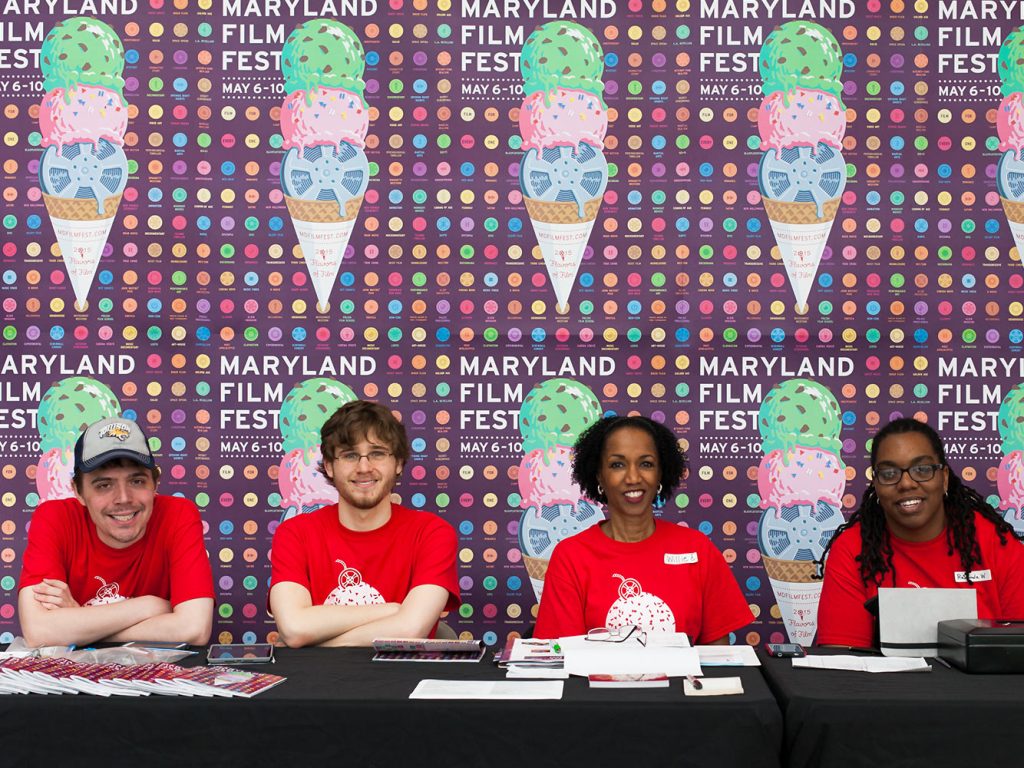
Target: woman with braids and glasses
x,y
634,570
917,525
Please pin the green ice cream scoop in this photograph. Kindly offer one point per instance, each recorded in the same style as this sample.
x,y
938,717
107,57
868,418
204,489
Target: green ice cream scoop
x,y
1011,420
82,50
1010,66
71,405
801,54
800,412
305,409
323,53
561,54
556,412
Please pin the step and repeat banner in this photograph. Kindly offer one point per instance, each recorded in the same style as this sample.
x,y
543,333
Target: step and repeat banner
x,y
771,224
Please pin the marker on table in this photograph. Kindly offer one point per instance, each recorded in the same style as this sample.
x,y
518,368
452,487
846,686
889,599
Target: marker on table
x,y
556,648
697,684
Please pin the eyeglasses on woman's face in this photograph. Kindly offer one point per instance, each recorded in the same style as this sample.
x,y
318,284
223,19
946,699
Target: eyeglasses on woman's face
x,y
889,474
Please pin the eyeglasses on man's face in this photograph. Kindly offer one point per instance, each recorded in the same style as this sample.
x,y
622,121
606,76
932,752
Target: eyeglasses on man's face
x,y
888,474
617,634
352,458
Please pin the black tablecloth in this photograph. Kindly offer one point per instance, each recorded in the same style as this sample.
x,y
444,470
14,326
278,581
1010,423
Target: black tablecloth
x,y
338,708
940,718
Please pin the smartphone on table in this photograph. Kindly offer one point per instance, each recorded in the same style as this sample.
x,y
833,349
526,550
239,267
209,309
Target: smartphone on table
x,y
240,653
785,650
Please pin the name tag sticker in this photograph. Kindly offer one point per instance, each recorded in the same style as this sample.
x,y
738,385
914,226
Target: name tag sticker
x,y
961,576
681,559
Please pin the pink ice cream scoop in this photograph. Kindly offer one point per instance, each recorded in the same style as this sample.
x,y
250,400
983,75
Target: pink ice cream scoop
x,y
326,116
87,113
1010,123
53,474
563,117
1010,481
801,476
800,118
545,478
301,483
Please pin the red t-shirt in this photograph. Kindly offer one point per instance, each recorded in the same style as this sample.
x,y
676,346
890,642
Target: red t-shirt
x,y
169,561
343,567
842,618
675,580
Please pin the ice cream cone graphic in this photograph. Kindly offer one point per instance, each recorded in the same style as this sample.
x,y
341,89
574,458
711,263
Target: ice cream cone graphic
x,y
1010,128
303,412
324,120
553,415
802,121
65,410
82,121
563,122
1010,475
800,480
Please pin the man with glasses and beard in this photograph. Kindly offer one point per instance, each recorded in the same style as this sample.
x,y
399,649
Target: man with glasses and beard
x,y
363,568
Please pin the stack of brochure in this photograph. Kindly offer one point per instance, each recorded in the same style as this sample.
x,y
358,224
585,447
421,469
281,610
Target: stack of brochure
x,y
532,658
60,676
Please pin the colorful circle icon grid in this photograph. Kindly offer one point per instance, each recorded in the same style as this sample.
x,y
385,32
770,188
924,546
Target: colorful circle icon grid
x,y
202,314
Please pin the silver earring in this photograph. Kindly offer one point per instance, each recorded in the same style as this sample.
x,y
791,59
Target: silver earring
x,y
600,490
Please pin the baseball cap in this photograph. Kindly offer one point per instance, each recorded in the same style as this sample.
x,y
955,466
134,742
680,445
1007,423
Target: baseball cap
x,y
108,439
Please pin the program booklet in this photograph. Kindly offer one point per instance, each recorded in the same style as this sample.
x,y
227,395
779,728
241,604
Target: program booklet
x,y
400,649
629,681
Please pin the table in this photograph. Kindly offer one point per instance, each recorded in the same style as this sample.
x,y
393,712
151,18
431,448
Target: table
x,y
940,718
338,708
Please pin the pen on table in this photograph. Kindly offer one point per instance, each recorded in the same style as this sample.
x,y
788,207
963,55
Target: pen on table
x,y
942,661
697,685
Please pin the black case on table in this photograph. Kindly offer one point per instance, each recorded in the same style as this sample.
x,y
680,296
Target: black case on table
x,y
983,646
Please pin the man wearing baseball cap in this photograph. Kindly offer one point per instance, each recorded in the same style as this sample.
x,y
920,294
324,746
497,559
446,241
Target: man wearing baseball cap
x,y
117,562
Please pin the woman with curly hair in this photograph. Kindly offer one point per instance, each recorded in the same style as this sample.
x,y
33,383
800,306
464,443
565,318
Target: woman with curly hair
x,y
634,570
917,525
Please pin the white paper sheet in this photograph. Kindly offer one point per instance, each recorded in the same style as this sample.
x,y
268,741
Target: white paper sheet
x,y
488,689
535,673
863,663
714,686
727,656
666,655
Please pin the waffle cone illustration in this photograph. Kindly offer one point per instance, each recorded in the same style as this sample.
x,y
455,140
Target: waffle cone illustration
x,y
562,235
81,233
537,568
1014,211
801,235
797,593
323,234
